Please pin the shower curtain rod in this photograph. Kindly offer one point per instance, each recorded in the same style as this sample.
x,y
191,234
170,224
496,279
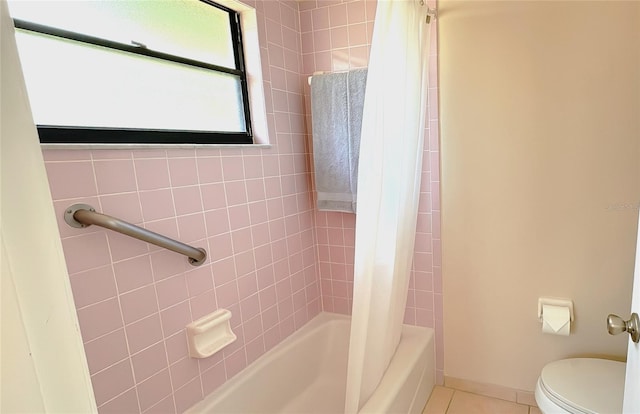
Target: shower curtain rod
x,y
83,215
431,13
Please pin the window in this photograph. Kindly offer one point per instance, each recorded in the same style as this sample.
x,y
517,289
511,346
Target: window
x,y
130,71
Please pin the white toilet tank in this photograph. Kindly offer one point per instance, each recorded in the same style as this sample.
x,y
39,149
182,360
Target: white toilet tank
x,y
581,385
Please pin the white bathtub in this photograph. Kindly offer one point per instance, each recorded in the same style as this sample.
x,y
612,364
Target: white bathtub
x,y
306,373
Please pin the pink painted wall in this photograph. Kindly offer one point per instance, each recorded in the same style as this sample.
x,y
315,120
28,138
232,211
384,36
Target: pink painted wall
x,y
274,261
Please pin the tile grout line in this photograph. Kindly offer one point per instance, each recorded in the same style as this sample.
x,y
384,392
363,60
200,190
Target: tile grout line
x,y
450,400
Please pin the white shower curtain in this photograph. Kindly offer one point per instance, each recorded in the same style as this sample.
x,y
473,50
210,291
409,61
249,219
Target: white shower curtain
x,y
390,169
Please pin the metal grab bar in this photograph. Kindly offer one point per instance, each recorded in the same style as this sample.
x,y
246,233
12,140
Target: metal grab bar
x,y
83,215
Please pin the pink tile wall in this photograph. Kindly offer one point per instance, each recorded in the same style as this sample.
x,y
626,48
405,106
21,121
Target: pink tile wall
x,y
336,35
273,260
250,208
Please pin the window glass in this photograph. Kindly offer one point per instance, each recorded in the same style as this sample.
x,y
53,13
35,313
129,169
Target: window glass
x,y
135,92
120,71
178,27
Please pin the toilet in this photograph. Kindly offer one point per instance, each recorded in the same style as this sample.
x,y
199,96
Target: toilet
x,y
581,385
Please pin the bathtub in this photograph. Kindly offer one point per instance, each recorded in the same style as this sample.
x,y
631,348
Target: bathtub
x,y
306,373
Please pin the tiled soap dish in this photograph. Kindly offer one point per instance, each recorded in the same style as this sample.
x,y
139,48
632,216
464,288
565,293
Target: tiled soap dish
x,y
209,334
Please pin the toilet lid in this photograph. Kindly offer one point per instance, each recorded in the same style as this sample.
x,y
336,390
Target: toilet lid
x,y
585,385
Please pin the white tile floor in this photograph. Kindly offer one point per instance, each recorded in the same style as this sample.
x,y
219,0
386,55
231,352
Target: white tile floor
x,y
450,401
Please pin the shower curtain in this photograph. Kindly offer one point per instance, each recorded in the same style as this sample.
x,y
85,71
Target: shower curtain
x,y
390,169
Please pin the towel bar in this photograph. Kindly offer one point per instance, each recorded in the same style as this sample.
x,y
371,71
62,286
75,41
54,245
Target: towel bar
x,y
83,215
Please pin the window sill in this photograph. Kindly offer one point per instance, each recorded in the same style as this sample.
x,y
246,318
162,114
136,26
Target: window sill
x,y
147,146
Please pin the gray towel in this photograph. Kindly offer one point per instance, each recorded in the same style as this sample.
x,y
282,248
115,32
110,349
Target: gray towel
x,y
337,101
